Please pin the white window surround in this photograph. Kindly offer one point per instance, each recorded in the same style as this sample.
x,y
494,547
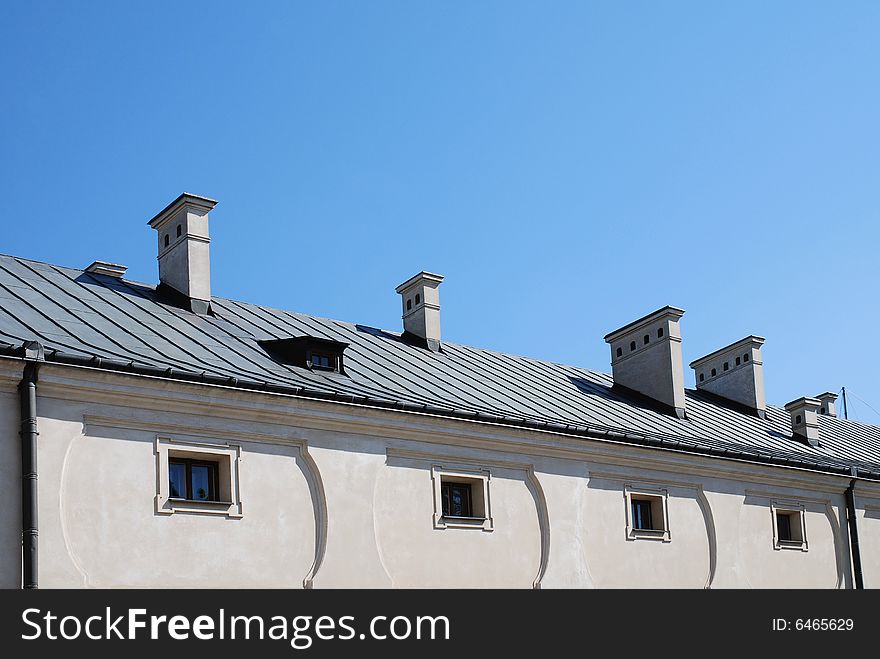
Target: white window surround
x,y
659,513
798,525
478,479
228,458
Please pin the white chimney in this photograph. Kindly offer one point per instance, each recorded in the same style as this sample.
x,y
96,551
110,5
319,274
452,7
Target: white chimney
x,y
184,249
805,419
646,357
421,309
827,404
735,373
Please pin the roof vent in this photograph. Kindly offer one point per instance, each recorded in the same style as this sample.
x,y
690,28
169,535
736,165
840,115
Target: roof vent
x,y
309,352
184,250
827,404
805,419
646,357
421,310
735,373
107,269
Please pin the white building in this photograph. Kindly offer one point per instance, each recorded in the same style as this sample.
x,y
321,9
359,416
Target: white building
x,y
157,436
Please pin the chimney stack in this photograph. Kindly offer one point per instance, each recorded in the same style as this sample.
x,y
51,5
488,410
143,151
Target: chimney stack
x,y
805,419
735,373
184,250
421,310
827,403
646,357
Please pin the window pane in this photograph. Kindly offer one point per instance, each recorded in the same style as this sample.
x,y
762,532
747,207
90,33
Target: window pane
x,y
177,478
455,499
783,526
201,482
457,506
641,515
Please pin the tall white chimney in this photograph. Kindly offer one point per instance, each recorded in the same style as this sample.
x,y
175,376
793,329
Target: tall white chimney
x,y
184,250
421,309
646,357
736,373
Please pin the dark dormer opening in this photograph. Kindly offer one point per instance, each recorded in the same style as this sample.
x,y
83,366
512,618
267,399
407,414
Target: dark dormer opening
x,y
310,352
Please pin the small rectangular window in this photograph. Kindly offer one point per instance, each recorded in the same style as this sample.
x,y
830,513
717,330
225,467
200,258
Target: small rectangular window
x,y
196,476
324,362
789,526
461,498
646,514
783,525
456,499
193,480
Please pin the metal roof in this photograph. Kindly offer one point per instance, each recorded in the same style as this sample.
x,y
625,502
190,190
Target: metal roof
x,y
90,319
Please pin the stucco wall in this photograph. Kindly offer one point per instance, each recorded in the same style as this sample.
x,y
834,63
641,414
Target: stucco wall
x,y
10,491
869,539
332,501
99,526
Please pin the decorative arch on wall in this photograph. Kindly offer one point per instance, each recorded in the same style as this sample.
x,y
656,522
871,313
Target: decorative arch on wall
x,y
532,484
319,504
709,518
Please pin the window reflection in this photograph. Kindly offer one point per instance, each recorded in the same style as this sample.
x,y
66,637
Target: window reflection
x,y
195,480
177,475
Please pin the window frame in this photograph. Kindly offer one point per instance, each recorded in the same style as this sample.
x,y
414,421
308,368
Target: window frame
x,y
189,463
658,498
446,500
798,528
480,499
332,361
227,493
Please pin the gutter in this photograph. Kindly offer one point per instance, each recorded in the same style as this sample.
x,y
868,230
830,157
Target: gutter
x,y
855,552
27,389
592,432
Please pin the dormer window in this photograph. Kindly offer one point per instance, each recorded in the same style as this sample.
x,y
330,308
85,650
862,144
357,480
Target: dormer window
x,y
323,361
310,352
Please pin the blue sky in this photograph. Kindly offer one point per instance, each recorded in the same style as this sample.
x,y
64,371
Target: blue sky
x,y
568,166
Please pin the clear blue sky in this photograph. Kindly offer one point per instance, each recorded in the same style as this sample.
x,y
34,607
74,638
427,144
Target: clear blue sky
x,y
568,166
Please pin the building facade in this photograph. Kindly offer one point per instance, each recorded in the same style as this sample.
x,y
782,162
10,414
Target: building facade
x,y
159,436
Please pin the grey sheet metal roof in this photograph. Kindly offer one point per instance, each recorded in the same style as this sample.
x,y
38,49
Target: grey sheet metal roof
x,y
97,320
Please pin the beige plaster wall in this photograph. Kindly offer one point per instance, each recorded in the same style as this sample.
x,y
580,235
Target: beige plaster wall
x,y
328,501
10,491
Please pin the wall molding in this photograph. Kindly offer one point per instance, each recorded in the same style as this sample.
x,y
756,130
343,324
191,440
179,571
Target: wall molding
x,y
421,427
